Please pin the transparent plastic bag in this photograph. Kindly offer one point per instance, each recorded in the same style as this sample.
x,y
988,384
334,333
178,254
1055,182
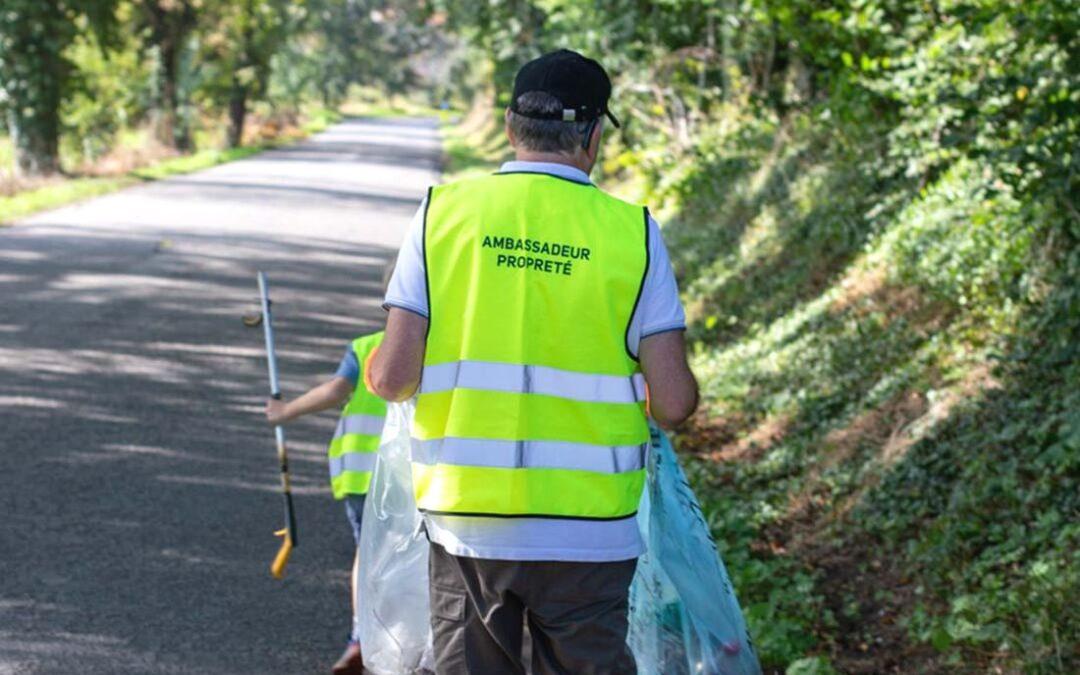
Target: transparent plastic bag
x,y
392,620
684,617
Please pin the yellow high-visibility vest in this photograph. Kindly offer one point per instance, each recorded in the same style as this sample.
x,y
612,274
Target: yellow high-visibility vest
x,y
531,402
356,440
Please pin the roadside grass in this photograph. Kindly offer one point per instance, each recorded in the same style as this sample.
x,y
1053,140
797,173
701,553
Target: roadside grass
x,y
29,202
70,190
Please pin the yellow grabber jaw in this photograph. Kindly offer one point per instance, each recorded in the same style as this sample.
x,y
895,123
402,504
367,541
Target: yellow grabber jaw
x,y
277,568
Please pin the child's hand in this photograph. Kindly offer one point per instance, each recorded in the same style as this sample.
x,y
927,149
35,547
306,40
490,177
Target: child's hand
x,y
275,412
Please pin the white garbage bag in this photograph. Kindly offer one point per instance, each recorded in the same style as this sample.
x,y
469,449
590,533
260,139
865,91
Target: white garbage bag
x,y
395,634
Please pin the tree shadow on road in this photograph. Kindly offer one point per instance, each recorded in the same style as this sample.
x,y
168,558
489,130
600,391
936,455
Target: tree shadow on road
x,y
140,483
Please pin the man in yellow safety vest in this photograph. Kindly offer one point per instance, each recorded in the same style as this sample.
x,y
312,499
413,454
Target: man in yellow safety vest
x,y
532,314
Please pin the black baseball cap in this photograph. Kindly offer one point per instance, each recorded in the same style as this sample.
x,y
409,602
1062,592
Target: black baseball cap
x,y
581,85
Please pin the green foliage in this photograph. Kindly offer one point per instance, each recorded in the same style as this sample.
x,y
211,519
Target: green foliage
x,y
871,208
165,28
356,43
813,665
34,76
991,526
75,75
239,40
111,91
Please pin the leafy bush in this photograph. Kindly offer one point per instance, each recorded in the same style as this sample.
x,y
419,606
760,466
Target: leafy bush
x,y
878,250
112,92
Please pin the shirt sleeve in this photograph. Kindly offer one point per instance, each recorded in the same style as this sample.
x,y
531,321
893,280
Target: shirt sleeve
x,y
349,368
408,285
659,309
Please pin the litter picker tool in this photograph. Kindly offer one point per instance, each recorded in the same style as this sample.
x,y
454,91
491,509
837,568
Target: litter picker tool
x,y
288,533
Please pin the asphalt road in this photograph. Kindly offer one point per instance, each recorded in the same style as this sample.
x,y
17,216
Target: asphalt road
x,y
138,483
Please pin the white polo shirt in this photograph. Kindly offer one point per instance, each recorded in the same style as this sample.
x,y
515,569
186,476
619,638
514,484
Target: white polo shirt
x,y
658,311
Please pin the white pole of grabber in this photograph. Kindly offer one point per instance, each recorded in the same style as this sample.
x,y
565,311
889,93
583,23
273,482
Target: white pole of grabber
x,y
289,531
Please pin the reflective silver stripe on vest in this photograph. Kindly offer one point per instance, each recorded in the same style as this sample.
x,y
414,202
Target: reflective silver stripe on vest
x,y
352,461
522,379
369,425
529,454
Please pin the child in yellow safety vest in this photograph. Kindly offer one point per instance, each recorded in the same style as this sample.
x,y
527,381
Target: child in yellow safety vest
x,y
352,451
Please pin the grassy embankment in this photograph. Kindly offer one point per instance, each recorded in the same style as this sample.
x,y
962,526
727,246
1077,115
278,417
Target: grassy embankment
x,y
889,440
94,182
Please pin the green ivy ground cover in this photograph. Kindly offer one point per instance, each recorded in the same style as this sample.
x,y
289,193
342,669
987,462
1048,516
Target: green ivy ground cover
x,y
879,250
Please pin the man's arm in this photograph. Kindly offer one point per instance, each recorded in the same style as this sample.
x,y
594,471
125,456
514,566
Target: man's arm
x,y
394,370
329,394
673,391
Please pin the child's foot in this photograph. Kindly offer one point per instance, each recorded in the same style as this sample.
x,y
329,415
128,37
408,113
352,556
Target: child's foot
x,y
351,661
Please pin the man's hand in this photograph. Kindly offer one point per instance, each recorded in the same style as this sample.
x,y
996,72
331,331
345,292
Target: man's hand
x,y
276,412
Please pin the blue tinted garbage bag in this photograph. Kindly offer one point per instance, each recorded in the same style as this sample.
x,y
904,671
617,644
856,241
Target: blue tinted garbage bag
x,y
684,617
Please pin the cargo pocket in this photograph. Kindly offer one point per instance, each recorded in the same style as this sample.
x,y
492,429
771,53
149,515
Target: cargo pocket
x,y
448,604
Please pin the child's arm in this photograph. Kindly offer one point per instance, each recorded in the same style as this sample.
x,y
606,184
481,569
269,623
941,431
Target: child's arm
x,y
331,394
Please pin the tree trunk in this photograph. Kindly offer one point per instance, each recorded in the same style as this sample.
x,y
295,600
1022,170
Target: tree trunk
x,y
166,127
37,141
169,26
725,51
237,113
34,77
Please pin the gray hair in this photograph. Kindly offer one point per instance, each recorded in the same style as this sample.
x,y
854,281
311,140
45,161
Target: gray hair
x,y
545,135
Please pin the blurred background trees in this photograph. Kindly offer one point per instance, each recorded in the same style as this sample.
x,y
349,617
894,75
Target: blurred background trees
x,y
238,42
189,71
165,28
37,75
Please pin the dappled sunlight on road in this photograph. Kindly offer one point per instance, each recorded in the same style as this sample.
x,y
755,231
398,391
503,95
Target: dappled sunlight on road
x,y
144,483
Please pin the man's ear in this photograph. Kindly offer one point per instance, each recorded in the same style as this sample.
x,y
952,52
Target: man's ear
x,y
506,126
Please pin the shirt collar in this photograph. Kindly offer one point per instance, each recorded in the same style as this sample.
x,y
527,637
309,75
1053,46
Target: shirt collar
x,y
551,168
